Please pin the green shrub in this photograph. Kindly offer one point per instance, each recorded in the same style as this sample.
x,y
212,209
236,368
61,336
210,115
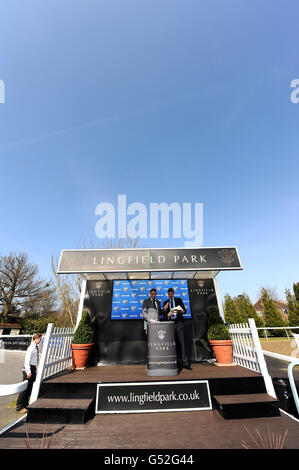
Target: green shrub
x,y
34,325
84,333
214,317
216,326
218,331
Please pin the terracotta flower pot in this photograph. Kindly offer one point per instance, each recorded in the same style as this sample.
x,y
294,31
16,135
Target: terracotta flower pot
x,y
223,350
80,355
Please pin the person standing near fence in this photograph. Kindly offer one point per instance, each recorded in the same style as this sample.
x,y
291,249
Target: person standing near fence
x,y
29,372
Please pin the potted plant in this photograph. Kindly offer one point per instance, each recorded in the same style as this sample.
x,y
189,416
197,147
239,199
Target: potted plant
x,y
219,338
82,342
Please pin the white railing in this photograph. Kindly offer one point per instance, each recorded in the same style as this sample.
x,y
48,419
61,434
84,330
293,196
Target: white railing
x,y
56,355
247,351
296,337
285,328
293,361
292,383
12,389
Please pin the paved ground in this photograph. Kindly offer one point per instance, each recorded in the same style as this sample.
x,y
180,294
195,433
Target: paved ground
x,y
281,346
11,364
279,369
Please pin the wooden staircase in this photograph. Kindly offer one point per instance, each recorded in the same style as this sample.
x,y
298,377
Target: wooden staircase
x,y
253,405
61,410
70,398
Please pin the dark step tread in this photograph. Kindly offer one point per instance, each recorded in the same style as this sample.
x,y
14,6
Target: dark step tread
x,y
245,398
61,403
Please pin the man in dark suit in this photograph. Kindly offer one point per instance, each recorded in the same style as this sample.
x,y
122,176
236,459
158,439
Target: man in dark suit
x,y
151,309
178,319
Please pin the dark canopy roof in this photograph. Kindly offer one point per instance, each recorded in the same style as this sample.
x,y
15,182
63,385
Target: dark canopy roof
x,y
149,263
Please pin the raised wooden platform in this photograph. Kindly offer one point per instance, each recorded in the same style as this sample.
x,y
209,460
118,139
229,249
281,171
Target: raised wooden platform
x,y
68,389
234,386
138,373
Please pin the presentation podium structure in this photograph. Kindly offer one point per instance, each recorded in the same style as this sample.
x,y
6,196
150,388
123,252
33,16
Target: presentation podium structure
x,y
161,357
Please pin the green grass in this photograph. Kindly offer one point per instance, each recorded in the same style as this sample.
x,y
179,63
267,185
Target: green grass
x,y
12,404
280,338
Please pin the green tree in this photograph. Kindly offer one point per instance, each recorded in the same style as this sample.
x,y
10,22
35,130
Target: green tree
x,y
231,312
247,310
272,316
293,305
296,291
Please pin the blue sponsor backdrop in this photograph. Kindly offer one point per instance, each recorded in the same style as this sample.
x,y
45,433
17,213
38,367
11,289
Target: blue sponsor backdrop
x,y
128,296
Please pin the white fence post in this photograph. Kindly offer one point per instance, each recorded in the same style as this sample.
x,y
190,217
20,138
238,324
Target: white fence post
x,y
292,383
42,362
81,303
261,359
218,297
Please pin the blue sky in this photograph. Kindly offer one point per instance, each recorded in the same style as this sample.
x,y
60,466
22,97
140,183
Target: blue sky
x,y
185,101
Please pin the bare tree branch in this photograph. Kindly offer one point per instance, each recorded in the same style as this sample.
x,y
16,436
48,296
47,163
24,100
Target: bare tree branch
x,y
19,283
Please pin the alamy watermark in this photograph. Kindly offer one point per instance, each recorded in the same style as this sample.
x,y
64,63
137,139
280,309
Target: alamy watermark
x,y
159,220
2,91
294,97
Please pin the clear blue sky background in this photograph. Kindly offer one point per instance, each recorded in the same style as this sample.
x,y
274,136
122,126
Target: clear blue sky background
x,y
129,96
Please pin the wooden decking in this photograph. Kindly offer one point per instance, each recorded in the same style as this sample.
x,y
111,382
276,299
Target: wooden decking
x,y
170,430
138,373
184,430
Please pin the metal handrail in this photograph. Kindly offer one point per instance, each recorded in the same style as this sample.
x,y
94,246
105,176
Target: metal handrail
x,y
292,383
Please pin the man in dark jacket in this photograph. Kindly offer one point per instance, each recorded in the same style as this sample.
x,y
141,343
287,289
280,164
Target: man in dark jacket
x,y
151,309
178,319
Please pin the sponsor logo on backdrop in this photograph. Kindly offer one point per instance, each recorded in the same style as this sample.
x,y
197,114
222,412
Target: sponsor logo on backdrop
x,y
130,297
